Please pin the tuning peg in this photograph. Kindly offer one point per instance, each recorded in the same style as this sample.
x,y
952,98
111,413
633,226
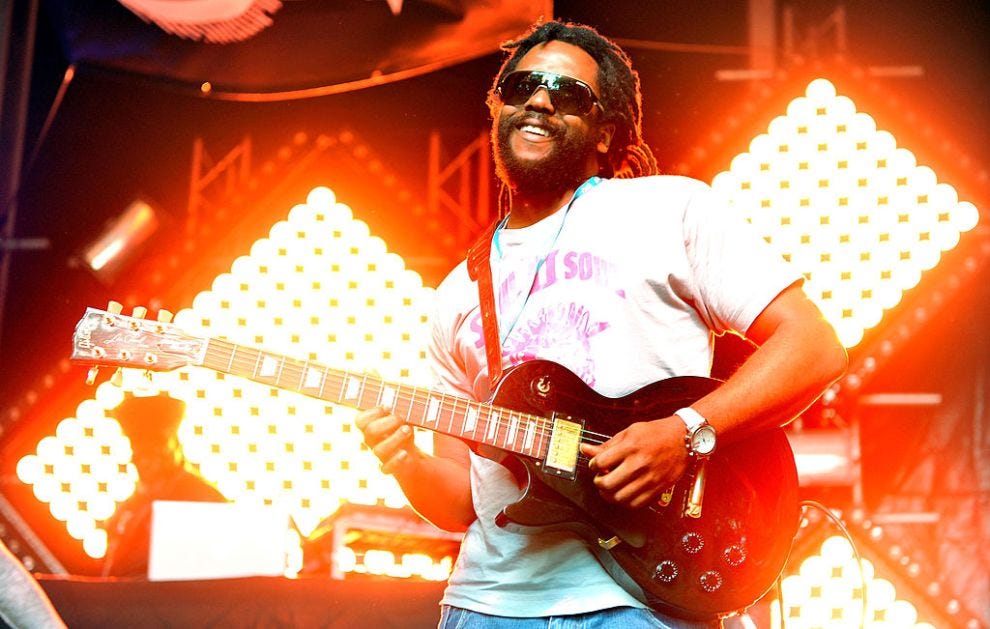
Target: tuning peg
x,y
165,316
91,374
117,379
115,307
140,312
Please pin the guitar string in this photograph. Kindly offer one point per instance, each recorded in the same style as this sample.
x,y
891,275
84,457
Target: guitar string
x,y
296,370
292,367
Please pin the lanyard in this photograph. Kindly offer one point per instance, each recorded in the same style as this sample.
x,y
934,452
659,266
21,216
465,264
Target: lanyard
x,y
584,187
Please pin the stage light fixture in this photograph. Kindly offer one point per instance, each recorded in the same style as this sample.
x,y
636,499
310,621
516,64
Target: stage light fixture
x,y
108,254
827,591
839,199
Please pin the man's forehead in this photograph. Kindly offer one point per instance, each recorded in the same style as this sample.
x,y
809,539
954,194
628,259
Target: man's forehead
x,y
562,58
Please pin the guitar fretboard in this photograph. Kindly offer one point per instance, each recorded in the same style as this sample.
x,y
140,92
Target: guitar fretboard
x,y
521,433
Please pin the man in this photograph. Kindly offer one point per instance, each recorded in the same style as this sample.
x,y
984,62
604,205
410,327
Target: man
x,y
151,424
623,279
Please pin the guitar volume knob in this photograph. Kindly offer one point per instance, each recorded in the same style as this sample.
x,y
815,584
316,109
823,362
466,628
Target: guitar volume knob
x,y
734,555
666,571
710,581
692,543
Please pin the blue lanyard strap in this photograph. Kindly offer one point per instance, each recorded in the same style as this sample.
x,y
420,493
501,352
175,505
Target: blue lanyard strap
x,y
584,187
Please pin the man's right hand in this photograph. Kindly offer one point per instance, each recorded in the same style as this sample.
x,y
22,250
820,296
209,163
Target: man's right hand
x,y
389,438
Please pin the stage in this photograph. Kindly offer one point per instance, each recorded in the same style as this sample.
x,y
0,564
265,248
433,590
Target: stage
x,y
248,602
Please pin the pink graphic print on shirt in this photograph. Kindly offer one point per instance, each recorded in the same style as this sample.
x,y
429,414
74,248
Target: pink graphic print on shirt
x,y
560,331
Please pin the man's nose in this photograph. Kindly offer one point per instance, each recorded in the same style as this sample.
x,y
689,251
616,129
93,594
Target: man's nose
x,y
540,100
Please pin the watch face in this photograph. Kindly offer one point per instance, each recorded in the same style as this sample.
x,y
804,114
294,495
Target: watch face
x,y
703,440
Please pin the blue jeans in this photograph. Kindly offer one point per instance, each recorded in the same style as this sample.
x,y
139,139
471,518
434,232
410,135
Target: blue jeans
x,y
614,618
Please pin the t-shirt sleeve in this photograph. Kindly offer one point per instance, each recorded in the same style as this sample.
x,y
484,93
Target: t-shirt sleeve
x,y
735,273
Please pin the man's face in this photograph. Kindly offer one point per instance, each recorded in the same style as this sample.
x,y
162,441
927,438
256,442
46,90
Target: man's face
x,y
540,150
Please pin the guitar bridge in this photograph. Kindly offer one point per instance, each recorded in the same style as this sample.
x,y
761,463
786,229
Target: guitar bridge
x,y
564,448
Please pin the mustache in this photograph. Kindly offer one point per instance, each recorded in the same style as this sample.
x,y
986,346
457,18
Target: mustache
x,y
506,123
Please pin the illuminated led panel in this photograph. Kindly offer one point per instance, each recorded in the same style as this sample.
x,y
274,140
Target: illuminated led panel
x,y
838,198
320,288
827,591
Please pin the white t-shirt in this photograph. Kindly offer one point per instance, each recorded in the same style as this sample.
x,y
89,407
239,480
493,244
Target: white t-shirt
x,y
625,287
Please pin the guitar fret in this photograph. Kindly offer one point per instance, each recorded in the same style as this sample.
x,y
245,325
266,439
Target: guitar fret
x,y
257,361
450,416
368,390
412,401
281,366
233,350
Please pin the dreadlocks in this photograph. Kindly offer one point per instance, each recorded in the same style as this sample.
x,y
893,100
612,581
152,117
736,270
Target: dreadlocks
x,y
628,155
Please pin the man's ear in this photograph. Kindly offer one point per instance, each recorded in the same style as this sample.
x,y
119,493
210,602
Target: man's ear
x,y
605,134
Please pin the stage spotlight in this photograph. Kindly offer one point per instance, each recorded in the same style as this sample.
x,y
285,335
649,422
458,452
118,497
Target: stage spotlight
x,y
108,254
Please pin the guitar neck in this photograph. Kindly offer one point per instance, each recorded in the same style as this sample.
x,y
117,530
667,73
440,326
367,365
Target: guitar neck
x,y
505,429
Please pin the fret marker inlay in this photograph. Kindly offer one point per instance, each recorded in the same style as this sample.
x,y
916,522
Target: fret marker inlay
x,y
388,396
433,410
269,366
353,388
312,378
470,420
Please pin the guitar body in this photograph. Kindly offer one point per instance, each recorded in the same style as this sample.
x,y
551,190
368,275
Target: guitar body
x,y
713,565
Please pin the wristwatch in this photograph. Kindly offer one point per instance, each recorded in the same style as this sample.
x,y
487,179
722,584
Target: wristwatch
x,y
700,437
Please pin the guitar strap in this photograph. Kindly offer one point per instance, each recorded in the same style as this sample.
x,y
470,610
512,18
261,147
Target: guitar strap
x,y
480,270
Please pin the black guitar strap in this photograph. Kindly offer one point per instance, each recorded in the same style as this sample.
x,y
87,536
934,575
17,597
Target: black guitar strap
x,y
480,270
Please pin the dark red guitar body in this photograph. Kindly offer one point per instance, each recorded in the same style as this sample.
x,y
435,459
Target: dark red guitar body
x,y
690,567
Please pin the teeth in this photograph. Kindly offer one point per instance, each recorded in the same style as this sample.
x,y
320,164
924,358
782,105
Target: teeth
x,y
528,128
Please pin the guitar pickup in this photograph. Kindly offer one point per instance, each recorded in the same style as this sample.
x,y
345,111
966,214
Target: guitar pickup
x,y
564,448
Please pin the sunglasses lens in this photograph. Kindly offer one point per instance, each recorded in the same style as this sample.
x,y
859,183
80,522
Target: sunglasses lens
x,y
569,96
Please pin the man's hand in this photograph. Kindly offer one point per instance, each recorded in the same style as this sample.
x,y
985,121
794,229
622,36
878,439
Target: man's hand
x,y
637,465
388,437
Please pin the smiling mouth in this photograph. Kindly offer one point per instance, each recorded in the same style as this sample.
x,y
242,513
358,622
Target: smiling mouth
x,y
531,129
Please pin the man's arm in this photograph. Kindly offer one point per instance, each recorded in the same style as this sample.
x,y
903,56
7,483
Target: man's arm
x,y
797,358
438,487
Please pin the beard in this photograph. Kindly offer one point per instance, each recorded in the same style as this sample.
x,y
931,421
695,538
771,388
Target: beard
x,y
563,168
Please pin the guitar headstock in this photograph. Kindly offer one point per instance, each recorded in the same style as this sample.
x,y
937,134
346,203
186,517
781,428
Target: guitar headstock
x,y
106,337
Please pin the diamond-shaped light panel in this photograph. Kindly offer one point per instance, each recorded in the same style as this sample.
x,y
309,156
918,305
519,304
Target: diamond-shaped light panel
x,y
838,198
319,288
829,586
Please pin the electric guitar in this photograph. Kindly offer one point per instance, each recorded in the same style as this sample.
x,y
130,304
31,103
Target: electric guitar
x,y
713,544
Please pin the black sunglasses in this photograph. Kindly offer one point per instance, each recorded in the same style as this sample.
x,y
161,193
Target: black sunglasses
x,y
568,95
